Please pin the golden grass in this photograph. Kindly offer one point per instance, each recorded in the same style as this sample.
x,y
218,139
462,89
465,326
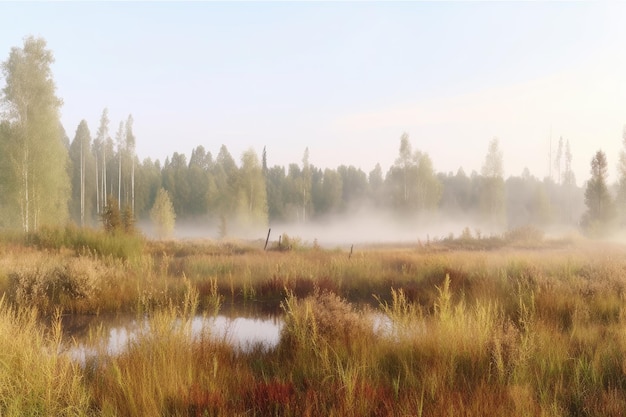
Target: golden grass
x,y
508,332
35,377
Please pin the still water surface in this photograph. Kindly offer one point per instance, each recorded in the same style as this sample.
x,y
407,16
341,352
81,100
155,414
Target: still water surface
x,y
244,329
89,336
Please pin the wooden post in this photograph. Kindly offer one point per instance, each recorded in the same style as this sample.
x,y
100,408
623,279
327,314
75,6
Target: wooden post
x,y
351,248
267,239
280,237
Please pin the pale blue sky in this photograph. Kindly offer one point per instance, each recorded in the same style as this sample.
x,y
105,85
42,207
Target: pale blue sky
x,y
345,79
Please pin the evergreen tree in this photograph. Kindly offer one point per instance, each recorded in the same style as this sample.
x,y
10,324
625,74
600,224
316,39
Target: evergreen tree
x,y
224,175
202,187
375,180
128,220
112,216
148,181
176,182
330,199
600,208
275,184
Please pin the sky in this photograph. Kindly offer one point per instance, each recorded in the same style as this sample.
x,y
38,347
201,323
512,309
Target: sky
x,y
344,79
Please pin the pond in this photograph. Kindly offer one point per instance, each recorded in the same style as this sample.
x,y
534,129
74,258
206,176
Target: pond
x,y
86,336
242,328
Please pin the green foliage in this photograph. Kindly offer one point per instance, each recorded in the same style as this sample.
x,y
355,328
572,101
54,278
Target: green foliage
x,y
526,235
37,379
82,174
248,196
412,182
48,284
251,193
35,180
111,216
87,241
128,220
492,192
288,243
600,207
455,333
162,214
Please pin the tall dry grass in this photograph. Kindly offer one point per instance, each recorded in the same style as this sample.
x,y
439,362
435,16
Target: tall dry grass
x,y
386,332
36,378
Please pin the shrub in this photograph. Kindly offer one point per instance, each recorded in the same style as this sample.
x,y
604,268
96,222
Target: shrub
x,y
287,243
323,317
524,235
48,283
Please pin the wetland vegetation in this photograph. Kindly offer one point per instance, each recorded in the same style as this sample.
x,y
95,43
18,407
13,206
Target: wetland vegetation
x,y
505,326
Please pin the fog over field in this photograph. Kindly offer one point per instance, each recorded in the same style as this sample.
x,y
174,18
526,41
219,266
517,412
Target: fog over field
x,y
335,122
364,226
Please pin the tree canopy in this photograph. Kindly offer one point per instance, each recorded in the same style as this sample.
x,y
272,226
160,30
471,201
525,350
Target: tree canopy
x,y
45,179
600,208
36,182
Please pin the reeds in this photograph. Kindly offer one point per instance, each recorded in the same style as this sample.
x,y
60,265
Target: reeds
x,y
36,379
524,333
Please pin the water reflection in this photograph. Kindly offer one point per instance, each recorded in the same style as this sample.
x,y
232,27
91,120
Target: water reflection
x,y
89,337
244,329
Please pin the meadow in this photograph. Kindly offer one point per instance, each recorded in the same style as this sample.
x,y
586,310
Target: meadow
x,y
511,325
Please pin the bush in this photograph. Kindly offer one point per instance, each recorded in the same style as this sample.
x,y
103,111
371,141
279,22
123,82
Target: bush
x,y
112,217
323,316
49,283
286,243
524,235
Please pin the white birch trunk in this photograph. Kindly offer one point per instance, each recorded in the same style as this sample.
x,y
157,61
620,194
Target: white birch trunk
x,y
132,187
25,202
104,179
82,186
97,189
119,183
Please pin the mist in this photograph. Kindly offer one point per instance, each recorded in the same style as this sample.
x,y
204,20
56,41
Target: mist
x,y
362,226
365,226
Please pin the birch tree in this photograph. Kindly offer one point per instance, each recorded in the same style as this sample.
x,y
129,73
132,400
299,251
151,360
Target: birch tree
x,y
100,151
83,185
130,151
306,184
492,195
557,160
412,183
163,215
36,159
251,192
120,139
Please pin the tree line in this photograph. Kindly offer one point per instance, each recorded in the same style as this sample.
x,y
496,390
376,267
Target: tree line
x,y
46,178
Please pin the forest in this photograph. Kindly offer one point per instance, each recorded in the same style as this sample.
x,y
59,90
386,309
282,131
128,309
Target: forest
x,y
51,179
497,320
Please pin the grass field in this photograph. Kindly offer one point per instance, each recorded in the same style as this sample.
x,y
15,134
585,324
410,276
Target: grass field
x,y
494,327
